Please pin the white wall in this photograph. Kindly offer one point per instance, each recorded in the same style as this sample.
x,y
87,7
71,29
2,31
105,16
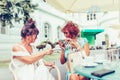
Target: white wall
x,y
6,43
104,21
47,14
55,18
42,16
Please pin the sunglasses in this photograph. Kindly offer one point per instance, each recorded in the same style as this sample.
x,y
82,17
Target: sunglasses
x,y
66,32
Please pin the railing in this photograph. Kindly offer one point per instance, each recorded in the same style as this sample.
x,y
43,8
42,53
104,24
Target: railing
x,y
113,54
110,54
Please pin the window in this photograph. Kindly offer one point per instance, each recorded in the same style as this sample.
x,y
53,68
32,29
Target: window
x,y
46,30
3,31
58,32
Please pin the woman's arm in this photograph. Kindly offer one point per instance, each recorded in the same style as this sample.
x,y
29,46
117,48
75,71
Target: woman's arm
x,y
33,58
62,58
86,48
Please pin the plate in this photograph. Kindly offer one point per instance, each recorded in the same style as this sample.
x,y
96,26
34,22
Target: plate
x,y
89,65
99,61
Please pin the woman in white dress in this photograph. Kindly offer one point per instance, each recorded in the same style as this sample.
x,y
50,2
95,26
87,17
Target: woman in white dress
x,y
27,64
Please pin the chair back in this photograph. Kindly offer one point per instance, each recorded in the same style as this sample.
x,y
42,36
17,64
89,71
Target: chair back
x,y
58,72
113,54
11,68
74,59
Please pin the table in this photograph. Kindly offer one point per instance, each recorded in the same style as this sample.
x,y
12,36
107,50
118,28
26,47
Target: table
x,y
87,72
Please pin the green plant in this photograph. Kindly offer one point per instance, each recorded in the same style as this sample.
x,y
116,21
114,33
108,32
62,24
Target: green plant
x,y
6,14
44,43
14,10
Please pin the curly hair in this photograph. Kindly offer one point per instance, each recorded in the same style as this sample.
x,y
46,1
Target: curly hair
x,y
29,29
72,28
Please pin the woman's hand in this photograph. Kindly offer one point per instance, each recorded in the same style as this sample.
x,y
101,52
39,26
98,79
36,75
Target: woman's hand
x,y
61,44
74,43
48,51
51,64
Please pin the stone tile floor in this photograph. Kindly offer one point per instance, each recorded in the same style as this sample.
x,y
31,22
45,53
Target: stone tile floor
x,y
5,73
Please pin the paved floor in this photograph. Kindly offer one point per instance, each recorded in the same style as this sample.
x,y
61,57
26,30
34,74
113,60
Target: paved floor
x,y
5,73
62,71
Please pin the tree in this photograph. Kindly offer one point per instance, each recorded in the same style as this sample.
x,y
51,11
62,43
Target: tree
x,y
14,10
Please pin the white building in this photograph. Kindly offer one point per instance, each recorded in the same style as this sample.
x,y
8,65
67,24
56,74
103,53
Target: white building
x,y
49,22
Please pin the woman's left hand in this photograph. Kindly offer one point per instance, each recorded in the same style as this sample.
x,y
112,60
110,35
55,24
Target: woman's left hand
x,y
74,43
51,64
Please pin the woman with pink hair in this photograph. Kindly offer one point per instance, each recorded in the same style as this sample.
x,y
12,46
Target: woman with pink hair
x,y
72,42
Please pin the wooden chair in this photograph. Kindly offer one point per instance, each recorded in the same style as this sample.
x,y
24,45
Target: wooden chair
x,y
57,70
113,54
74,59
11,68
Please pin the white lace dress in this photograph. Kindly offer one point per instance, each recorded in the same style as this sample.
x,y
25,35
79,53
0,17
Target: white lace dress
x,y
30,71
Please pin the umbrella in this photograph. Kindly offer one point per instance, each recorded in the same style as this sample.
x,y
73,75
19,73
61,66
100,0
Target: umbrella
x,y
73,6
117,26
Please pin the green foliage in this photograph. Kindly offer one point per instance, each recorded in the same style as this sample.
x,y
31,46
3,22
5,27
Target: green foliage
x,y
17,10
44,43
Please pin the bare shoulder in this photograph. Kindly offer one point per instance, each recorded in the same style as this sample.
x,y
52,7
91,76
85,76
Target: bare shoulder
x,y
16,48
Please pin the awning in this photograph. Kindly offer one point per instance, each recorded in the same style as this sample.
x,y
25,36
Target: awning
x,y
115,26
72,6
91,32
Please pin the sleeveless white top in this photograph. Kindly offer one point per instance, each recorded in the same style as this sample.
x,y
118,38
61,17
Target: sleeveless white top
x,y
30,71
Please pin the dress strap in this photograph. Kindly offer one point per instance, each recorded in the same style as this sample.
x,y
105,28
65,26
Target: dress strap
x,y
20,53
23,47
